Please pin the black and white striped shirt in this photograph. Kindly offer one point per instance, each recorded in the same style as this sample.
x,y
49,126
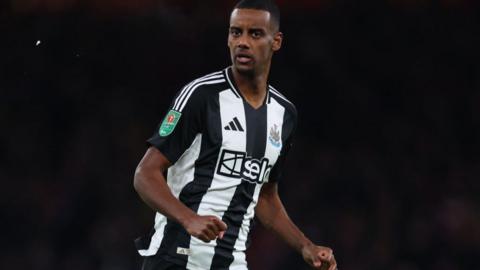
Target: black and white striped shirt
x,y
222,150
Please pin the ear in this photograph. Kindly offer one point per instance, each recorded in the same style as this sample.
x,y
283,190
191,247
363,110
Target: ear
x,y
277,41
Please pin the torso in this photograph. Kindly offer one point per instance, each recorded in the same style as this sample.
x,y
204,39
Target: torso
x,y
223,170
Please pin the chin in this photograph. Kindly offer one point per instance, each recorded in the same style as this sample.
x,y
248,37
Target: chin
x,y
244,70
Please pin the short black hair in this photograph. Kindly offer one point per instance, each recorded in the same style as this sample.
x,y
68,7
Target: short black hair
x,y
266,5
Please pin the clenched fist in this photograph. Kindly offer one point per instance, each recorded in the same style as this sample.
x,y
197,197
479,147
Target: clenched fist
x,y
319,257
205,228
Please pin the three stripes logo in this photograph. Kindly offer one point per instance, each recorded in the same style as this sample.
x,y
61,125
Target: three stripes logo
x,y
234,125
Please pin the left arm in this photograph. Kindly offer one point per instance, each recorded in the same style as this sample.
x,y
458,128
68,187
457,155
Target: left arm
x,y
272,214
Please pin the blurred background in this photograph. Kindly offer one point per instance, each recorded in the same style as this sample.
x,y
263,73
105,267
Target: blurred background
x,y
385,167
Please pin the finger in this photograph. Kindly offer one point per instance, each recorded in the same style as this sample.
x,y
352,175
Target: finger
x,y
204,238
215,221
210,235
221,234
326,254
205,235
213,228
222,226
333,264
317,264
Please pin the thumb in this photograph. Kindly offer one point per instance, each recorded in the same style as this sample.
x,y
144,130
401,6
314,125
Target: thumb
x,y
222,226
317,264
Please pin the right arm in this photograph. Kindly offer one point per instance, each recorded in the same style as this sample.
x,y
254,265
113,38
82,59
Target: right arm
x,y
152,187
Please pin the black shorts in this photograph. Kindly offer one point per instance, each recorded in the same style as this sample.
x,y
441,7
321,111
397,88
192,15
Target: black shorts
x,y
158,263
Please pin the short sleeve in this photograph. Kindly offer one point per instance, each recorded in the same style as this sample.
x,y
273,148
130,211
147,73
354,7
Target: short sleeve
x,y
277,170
178,129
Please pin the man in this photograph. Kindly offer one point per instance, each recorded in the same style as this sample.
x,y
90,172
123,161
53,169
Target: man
x,y
223,142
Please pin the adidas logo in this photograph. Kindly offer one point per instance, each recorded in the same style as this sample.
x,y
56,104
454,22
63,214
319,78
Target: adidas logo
x,y
234,125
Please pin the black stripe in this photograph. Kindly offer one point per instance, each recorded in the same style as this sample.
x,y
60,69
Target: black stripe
x,y
256,121
232,125
144,242
238,124
227,128
250,230
191,195
233,217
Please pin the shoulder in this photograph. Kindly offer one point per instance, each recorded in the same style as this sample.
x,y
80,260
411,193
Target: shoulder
x,y
196,91
283,101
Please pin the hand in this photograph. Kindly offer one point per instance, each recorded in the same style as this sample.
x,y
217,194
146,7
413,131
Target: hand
x,y
205,228
319,257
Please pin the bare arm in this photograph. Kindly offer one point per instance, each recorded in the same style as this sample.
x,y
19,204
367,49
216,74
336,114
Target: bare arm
x,y
272,214
152,187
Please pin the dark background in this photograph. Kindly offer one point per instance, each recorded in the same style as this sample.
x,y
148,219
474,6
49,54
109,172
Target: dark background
x,y
385,167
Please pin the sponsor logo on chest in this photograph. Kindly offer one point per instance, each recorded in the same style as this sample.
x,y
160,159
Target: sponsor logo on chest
x,y
237,164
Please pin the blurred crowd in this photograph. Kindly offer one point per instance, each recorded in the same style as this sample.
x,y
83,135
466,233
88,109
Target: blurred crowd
x,y
385,164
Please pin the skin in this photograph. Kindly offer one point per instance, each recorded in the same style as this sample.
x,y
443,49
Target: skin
x,y
253,39
273,216
152,187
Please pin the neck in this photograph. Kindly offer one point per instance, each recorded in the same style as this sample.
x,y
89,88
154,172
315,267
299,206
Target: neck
x,y
252,86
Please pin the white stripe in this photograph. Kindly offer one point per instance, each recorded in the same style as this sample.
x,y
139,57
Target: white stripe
x,y
185,89
278,94
239,261
182,105
275,115
179,175
218,196
274,89
230,82
160,222
194,81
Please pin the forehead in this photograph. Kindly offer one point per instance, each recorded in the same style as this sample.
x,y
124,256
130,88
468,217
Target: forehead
x,y
250,18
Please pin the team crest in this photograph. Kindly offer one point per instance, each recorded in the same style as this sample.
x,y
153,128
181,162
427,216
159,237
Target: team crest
x,y
169,123
274,137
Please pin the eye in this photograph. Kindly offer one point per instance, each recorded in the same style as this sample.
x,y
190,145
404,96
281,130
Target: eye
x,y
235,32
257,34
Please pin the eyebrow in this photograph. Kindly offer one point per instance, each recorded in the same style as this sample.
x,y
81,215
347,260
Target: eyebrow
x,y
256,29
249,29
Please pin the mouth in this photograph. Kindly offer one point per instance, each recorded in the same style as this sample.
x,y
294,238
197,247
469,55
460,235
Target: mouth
x,y
243,58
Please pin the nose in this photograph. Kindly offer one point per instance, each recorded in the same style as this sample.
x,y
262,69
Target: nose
x,y
243,42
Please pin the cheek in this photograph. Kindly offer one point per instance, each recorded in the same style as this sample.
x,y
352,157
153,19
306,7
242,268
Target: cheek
x,y
265,49
229,43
